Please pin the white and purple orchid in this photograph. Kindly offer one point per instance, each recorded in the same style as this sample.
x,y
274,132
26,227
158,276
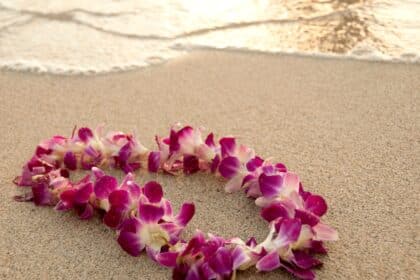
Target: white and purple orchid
x,y
208,258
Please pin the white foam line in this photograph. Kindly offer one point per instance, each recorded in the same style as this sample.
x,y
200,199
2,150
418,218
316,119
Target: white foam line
x,y
56,69
40,67
366,56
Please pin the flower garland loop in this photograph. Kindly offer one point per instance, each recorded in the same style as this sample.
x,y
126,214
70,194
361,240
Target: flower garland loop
x,y
144,219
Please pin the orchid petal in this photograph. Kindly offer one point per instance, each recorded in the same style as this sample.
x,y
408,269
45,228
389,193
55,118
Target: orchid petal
x,y
150,213
305,237
97,172
210,140
85,134
269,169
215,163
252,189
222,262
104,186
304,261
153,191
229,167
60,206
128,180
317,247
180,271
193,274
25,179
167,207
124,153
42,151
130,242
172,230
190,164
187,139
254,163
252,242
85,212
167,259
114,216
131,225
185,132
304,194
281,167
239,257
316,204
324,232
41,194
270,184
269,262
186,213
153,162
306,217
205,154
83,193
263,201
289,231
245,153
67,199
290,183
119,198
173,142
234,184
207,273
274,211
299,273
70,160
134,191
228,145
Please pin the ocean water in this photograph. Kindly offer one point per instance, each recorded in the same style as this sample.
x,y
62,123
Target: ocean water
x,y
98,36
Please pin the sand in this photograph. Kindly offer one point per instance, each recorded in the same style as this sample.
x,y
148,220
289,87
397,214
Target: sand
x,y
349,128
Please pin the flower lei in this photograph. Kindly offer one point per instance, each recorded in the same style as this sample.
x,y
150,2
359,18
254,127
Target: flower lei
x,y
144,219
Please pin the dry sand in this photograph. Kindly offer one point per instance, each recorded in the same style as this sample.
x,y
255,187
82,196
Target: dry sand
x,y
349,128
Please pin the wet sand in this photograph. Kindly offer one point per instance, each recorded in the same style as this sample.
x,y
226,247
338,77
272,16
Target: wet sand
x,y
350,129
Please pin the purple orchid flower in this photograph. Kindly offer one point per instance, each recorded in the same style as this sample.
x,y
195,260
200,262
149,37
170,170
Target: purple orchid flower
x,y
78,197
152,230
212,258
233,163
123,202
183,149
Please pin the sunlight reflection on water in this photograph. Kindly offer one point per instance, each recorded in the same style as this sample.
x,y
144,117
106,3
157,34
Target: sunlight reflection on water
x,y
104,35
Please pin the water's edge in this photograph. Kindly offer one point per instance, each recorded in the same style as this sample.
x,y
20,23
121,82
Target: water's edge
x,y
200,49
31,67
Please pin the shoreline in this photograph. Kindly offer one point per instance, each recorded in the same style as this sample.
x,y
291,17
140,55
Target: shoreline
x,y
56,71
348,128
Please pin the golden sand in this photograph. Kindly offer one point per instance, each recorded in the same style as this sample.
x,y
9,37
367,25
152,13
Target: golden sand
x,y
349,128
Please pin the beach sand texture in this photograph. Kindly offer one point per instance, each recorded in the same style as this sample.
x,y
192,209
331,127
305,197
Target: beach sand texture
x,y
350,129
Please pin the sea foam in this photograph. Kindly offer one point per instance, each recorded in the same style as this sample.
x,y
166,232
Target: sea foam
x,y
100,36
